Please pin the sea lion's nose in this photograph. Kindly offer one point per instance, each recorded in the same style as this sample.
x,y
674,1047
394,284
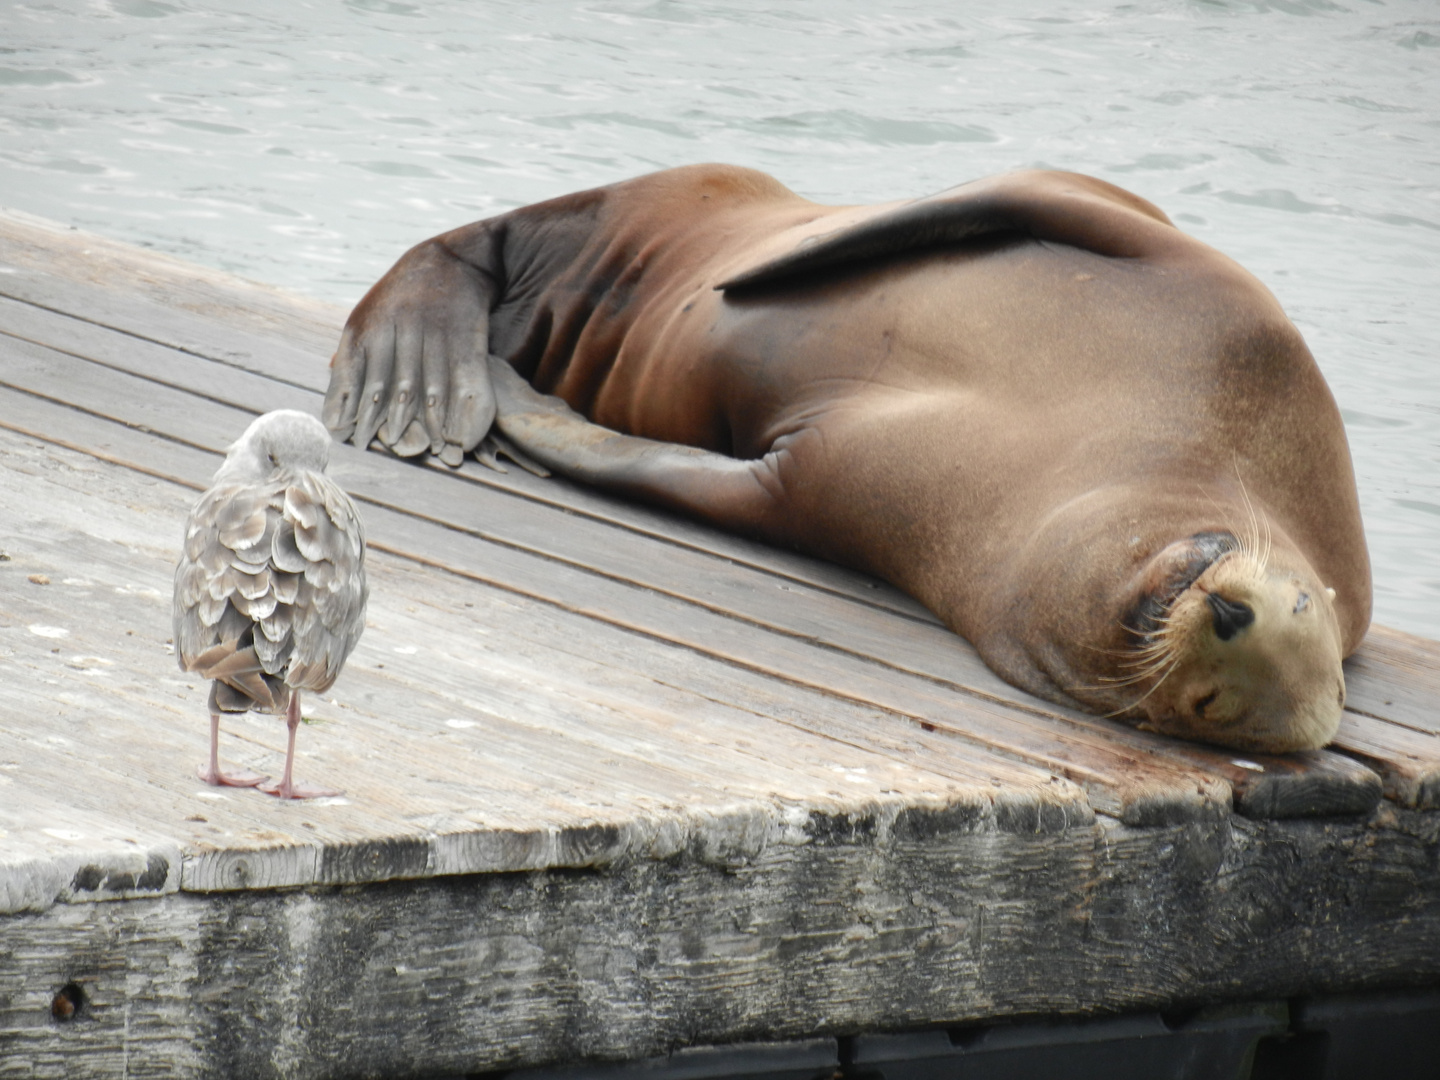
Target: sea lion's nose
x,y
1230,617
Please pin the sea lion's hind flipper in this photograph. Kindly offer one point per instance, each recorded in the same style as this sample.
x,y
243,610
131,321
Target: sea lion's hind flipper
x,y
1062,207
721,490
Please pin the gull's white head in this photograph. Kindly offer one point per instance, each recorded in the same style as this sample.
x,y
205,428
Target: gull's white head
x,y
285,439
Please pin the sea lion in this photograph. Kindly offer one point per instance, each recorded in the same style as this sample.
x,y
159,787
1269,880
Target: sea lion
x,y
1091,444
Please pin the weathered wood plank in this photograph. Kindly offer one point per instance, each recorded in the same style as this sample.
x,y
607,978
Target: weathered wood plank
x,y
1341,786
38,245
1408,762
1114,764
654,767
156,298
44,329
1396,676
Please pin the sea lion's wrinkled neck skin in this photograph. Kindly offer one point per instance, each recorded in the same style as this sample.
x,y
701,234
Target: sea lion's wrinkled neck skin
x,y
1010,400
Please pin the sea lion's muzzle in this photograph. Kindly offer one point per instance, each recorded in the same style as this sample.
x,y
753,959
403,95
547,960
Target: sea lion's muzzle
x,y
1246,655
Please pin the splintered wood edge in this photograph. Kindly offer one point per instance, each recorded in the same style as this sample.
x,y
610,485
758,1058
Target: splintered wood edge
x,y
729,838
112,872
83,858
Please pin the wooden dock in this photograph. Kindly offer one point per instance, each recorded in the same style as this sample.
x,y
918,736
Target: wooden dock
x,y
615,783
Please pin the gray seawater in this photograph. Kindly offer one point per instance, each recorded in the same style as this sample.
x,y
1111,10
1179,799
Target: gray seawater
x,y
307,144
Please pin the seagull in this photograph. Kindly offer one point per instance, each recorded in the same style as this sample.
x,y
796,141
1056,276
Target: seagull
x,y
270,590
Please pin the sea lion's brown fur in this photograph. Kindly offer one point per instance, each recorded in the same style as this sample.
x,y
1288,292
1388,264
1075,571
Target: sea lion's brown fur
x,y
1031,402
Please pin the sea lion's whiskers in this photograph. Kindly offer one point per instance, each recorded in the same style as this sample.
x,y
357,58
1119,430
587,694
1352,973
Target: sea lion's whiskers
x,y
1256,542
1159,653
1158,663
1269,538
1141,699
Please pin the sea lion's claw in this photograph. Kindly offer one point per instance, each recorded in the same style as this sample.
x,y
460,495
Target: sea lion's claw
x,y
451,455
415,441
437,363
471,413
376,352
504,446
342,397
367,425
487,454
406,378
403,408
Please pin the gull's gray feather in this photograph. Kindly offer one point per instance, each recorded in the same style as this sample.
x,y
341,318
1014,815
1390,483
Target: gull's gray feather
x,y
270,591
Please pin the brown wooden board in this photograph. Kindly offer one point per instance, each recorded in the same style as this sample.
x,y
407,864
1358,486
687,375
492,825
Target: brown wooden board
x,y
1396,676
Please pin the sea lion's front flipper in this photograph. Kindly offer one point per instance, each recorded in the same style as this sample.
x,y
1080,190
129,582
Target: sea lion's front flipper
x,y
410,367
1062,207
725,491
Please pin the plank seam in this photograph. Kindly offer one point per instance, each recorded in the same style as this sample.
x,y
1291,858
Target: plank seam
x,y
641,530
153,341
122,370
1391,720
100,455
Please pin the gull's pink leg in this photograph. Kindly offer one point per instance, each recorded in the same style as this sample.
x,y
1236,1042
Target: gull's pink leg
x,y
287,788
212,775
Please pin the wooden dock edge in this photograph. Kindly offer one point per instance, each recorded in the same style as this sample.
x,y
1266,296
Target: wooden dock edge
x,y
860,929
